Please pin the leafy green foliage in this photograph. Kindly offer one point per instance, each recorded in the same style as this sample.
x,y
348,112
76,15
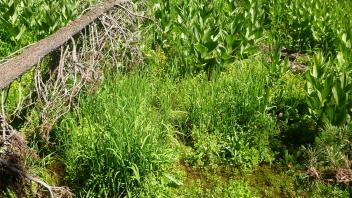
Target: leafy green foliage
x,y
329,89
306,25
25,21
203,30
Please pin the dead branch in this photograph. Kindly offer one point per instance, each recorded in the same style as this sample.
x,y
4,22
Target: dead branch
x,y
23,174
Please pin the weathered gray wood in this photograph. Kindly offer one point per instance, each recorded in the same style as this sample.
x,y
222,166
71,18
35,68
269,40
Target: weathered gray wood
x,y
20,64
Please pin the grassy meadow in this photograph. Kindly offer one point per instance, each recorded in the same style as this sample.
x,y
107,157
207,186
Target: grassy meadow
x,y
235,98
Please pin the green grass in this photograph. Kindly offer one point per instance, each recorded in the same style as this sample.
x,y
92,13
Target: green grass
x,y
125,131
111,147
146,135
211,114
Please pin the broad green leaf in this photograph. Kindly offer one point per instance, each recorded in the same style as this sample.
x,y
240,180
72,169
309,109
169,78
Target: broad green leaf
x,y
201,49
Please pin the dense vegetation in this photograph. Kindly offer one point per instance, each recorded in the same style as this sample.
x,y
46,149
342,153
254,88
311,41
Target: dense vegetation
x,y
23,22
236,98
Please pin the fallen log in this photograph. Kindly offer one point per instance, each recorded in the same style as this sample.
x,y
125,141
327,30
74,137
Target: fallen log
x,y
18,65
